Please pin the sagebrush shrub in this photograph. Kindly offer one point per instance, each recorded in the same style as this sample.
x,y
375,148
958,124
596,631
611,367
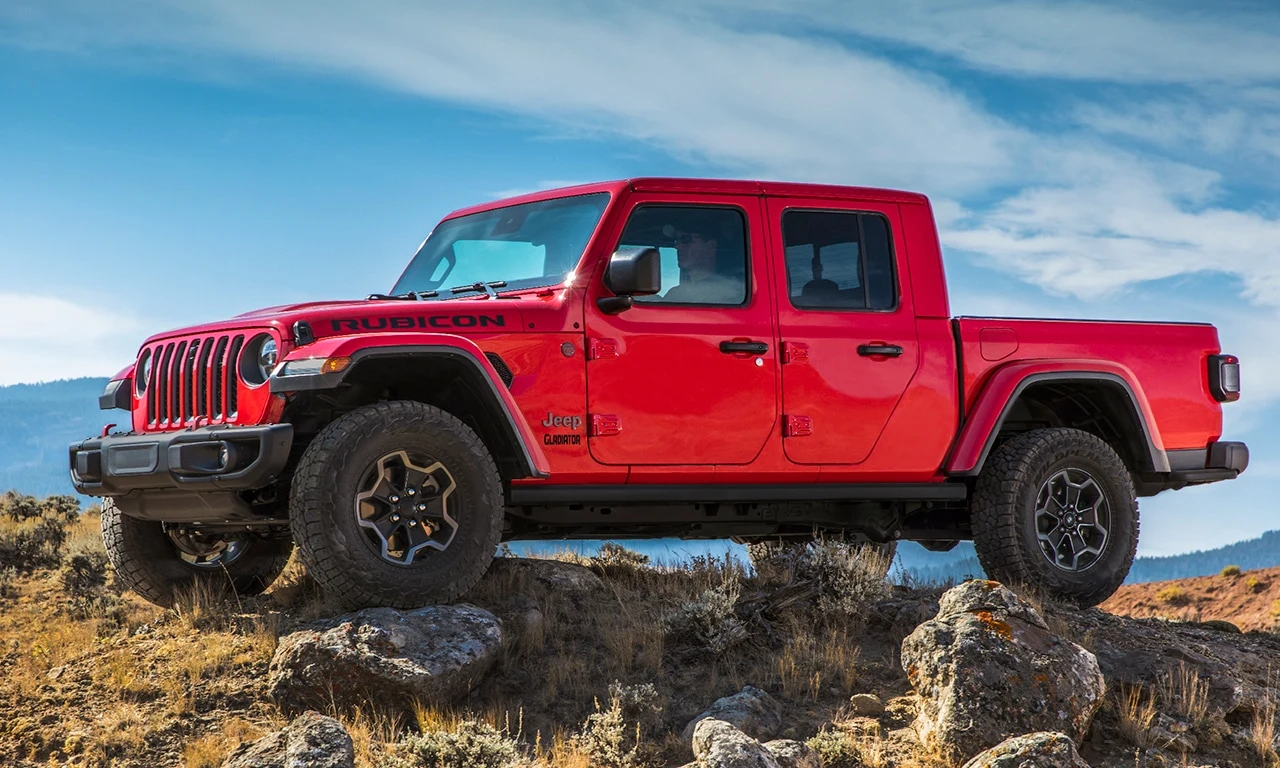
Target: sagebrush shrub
x,y
1230,571
850,576
472,744
607,741
708,619
616,555
33,532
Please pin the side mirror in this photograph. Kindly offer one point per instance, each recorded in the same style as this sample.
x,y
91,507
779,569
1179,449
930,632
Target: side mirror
x,y
631,272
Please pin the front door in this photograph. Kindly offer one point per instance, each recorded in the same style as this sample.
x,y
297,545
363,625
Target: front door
x,y
847,326
688,376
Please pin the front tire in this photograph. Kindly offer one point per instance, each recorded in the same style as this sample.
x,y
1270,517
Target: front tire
x,y
1055,509
158,560
396,504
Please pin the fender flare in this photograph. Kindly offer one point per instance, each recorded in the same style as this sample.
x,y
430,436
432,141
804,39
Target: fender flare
x,y
456,347
1004,387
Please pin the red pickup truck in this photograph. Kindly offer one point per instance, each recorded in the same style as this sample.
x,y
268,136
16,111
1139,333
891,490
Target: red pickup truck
x,y
652,357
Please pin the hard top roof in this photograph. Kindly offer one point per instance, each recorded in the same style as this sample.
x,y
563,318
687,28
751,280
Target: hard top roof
x,y
710,186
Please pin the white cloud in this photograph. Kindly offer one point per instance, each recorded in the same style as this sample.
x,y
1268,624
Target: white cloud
x,y
1130,43
43,338
752,101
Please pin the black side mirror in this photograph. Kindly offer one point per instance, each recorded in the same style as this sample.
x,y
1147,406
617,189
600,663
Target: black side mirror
x,y
631,272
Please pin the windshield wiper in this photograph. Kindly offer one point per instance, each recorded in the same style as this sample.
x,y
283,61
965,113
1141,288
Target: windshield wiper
x,y
410,296
485,288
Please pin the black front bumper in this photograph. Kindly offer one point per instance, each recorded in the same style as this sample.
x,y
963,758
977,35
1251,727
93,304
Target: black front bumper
x,y
220,458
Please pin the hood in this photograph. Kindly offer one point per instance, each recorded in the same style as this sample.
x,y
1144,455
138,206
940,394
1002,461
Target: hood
x,y
462,315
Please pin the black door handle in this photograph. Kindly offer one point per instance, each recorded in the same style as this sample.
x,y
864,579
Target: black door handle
x,y
752,347
887,350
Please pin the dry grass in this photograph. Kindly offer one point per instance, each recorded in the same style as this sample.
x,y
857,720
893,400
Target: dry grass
x,y
1185,694
210,750
1135,714
1262,730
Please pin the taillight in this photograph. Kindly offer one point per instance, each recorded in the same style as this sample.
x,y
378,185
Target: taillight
x,y
1224,377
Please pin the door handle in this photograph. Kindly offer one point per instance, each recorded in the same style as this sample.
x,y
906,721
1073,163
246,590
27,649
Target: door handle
x,y
750,347
886,350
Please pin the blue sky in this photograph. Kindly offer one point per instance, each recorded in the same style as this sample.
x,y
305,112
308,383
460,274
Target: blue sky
x,y
163,163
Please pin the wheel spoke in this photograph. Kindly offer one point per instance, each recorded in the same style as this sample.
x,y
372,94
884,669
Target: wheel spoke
x,y
407,507
1072,519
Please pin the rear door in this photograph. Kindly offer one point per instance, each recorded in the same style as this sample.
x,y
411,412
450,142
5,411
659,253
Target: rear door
x,y
846,324
690,376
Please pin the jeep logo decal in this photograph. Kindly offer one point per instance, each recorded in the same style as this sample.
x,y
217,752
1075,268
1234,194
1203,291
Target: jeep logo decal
x,y
407,323
552,420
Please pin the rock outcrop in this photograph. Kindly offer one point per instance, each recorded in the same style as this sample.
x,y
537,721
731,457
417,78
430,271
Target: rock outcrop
x,y
988,668
310,741
752,711
1045,749
793,754
717,744
432,654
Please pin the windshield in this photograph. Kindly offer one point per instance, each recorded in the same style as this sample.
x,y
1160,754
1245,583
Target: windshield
x,y
524,246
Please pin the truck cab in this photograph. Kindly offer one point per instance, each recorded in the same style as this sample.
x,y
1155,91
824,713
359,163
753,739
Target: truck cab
x,y
653,357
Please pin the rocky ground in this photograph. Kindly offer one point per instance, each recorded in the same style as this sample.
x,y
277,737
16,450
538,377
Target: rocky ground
x,y
611,662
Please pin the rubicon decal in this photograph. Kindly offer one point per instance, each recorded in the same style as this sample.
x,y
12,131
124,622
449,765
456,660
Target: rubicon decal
x,y
409,323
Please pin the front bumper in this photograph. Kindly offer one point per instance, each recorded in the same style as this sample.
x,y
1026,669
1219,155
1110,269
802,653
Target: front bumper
x,y
218,458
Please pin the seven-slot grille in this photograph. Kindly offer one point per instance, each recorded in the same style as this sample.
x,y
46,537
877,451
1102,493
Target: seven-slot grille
x,y
194,379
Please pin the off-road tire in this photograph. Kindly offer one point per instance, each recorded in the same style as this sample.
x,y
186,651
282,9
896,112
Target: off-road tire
x,y
1002,512
147,562
322,506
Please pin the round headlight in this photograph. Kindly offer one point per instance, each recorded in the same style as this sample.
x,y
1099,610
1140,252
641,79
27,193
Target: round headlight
x,y
142,374
267,354
258,360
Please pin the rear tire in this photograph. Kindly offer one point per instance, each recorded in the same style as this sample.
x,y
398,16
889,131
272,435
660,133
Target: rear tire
x,y
1055,509
148,561
396,504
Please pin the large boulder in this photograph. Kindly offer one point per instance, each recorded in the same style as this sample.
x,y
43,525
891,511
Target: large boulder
x,y
751,710
1042,750
432,654
717,744
310,741
987,668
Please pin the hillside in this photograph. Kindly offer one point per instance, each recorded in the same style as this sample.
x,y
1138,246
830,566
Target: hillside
x,y
1250,599
38,422
603,662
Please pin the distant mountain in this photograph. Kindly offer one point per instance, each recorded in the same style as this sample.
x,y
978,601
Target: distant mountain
x,y
38,422
1262,552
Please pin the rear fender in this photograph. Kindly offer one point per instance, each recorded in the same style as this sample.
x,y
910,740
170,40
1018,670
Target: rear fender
x,y
1007,384
361,349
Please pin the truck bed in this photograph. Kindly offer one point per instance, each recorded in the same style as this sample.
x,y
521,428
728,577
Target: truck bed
x,y
1167,360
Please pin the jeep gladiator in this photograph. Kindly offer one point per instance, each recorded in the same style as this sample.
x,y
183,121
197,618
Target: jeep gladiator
x,y
642,358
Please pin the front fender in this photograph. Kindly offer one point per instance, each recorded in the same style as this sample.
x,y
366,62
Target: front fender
x,y
1007,383
359,348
